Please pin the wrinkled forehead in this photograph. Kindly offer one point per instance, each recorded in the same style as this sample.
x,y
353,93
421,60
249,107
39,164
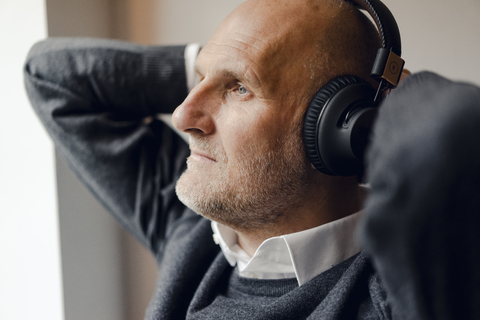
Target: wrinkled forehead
x,y
266,38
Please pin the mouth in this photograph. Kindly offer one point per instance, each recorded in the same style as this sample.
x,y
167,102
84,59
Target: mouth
x,y
201,156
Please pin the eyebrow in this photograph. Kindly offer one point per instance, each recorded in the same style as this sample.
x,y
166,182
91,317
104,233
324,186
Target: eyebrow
x,y
226,73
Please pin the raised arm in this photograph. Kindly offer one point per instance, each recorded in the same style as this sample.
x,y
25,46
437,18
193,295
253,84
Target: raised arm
x,y
422,218
98,99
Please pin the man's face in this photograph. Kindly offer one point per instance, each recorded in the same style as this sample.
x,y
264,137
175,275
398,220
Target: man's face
x,y
247,165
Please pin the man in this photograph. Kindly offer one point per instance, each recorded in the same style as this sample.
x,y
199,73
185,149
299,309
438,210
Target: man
x,y
248,169
286,231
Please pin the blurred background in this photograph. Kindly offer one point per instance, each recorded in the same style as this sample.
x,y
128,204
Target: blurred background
x,y
62,255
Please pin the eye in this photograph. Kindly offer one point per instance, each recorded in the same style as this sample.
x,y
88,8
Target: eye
x,y
242,90
239,91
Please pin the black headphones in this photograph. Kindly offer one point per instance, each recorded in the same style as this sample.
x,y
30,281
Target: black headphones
x,y
340,116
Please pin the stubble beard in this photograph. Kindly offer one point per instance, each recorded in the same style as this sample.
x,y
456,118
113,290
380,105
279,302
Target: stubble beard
x,y
252,194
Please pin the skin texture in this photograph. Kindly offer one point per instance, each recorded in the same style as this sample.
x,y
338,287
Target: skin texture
x,y
248,168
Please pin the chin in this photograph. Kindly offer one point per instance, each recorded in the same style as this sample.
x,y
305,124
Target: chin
x,y
249,196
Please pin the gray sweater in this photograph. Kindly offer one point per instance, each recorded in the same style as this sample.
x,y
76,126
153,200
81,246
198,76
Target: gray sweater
x,y
94,96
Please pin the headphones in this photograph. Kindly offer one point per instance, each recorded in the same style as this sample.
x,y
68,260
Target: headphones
x,y
339,118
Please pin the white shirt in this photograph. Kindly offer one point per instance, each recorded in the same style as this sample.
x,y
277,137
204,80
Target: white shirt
x,y
302,255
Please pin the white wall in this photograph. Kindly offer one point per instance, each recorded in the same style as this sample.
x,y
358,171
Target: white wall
x,y
440,35
30,275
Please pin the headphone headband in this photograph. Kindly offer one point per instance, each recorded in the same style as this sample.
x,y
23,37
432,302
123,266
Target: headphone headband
x,y
385,22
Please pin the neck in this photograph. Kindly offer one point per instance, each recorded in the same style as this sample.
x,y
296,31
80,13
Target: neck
x,y
332,200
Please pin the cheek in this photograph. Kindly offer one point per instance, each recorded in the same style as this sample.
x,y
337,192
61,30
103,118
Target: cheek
x,y
246,137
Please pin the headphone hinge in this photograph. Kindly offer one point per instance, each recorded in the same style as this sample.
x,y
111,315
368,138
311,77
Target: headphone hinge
x,y
388,66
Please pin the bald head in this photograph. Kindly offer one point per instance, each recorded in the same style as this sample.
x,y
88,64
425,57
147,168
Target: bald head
x,y
347,45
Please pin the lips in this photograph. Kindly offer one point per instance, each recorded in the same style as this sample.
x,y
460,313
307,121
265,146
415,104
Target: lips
x,y
202,156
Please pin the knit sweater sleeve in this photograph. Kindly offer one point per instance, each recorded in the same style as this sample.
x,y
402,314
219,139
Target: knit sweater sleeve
x,y
422,216
97,99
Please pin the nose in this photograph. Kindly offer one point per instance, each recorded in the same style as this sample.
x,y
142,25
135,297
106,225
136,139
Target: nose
x,y
196,112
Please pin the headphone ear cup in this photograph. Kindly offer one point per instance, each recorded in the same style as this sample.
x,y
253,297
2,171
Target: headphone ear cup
x,y
337,124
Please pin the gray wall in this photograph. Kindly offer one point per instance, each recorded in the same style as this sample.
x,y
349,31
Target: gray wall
x,y
90,238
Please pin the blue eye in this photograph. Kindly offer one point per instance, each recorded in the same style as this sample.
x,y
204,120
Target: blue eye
x,y
242,89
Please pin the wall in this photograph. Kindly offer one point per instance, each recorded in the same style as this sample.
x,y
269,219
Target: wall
x,y
440,35
92,255
30,269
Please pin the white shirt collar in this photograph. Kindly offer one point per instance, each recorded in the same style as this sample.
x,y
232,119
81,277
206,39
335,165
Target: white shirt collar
x,y
303,254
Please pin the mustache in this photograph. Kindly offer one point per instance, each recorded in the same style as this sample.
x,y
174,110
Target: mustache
x,y
200,142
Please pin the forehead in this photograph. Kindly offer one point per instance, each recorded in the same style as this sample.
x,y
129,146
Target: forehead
x,y
260,44
234,56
